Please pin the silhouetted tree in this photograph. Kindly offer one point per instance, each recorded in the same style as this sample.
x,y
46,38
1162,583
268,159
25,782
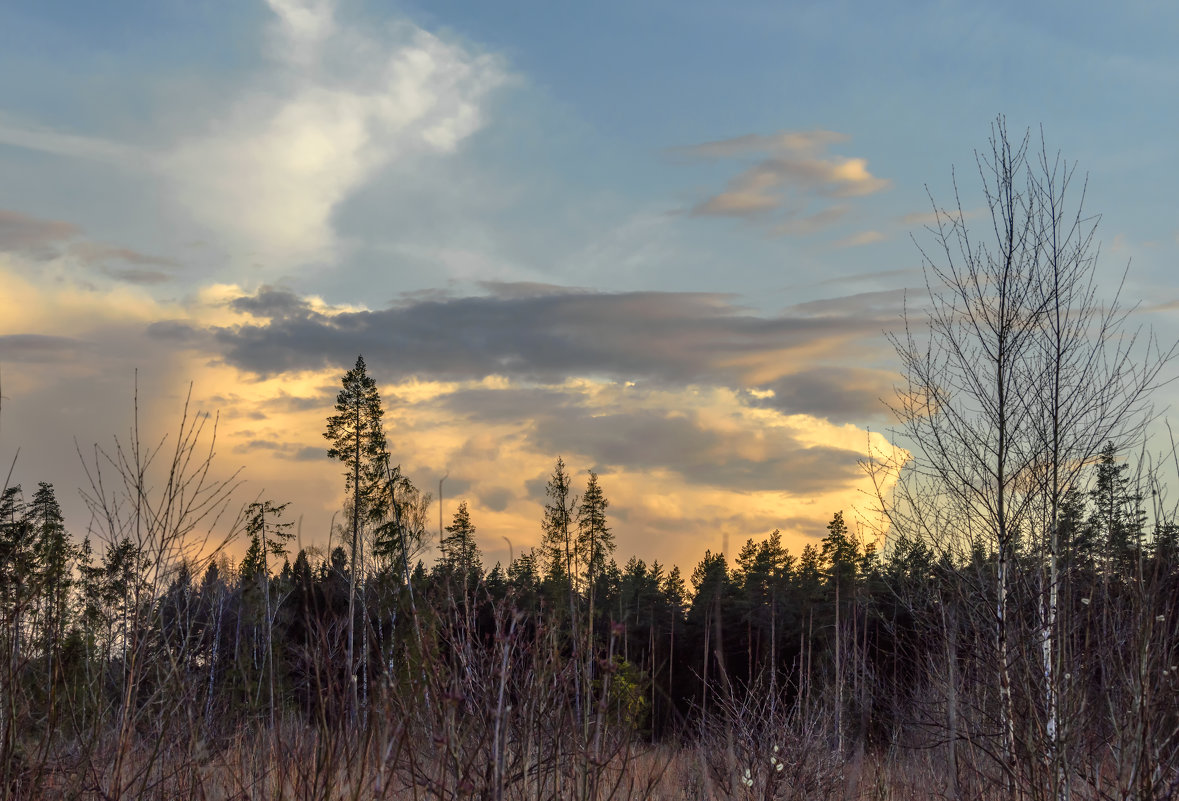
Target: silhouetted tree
x,y
460,553
358,440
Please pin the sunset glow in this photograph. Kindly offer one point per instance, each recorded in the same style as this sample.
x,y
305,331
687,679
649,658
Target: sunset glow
x,y
685,283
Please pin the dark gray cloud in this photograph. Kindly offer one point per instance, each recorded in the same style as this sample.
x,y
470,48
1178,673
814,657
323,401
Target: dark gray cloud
x,y
271,303
309,453
641,439
291,451
648,439
262,445
174,330
455,487
676,337
839,394
794,470
513,403
39,348
496,498
536,488
284,402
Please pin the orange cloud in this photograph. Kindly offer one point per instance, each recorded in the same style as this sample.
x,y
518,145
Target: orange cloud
x,y
793,172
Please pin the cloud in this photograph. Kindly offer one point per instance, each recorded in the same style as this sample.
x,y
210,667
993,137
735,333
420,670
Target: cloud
x,y
98,252
741,458
750,193
677,337
49,240
271,303
15,132
337,104
40,348
507,403
497,499
33,237
792,173
872,276
880,304
840,394
798,142
100,255
705,420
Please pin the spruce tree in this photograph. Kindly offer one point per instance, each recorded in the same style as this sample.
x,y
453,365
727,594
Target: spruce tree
x,y
358,440
269,535
558,547
596,543
1118,517
17,562
460,553
594,538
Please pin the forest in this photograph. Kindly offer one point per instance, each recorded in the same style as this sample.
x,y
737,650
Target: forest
x,y
1012,633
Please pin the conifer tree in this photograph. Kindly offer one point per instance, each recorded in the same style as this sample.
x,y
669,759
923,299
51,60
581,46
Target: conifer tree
x,y
524,581
460,553
558,548
558,554
269,535
1118,517
594,538
17,560
595,543
358,440
842,554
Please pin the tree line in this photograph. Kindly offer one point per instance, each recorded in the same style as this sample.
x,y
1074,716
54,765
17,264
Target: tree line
x,y
876,639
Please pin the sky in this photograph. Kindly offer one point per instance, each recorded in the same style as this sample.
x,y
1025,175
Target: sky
x,y
665,241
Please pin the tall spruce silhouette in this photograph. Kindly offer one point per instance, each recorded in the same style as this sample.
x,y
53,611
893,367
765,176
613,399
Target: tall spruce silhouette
x,y
358,440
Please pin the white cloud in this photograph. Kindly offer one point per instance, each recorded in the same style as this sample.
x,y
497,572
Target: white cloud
x,y
336,105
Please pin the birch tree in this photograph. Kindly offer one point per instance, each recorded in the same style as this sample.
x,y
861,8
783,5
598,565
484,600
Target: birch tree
x,y
1015,375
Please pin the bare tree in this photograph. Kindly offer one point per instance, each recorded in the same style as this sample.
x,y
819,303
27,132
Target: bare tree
x,y
165,505
1096,375
1015,376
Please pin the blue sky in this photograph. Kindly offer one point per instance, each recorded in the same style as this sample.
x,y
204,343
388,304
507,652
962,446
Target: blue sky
x,y
531,174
